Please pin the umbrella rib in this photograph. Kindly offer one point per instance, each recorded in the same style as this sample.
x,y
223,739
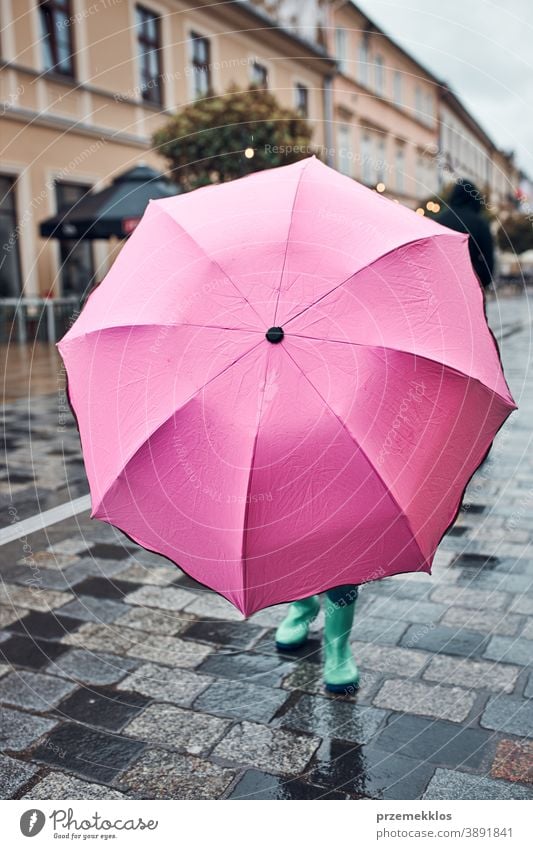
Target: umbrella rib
x,y
354,440
289,237
249,482
409,353
211,259
160,324
365,268
167,419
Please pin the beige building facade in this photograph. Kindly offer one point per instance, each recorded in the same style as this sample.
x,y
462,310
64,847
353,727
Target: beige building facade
x,y
85,83
81,107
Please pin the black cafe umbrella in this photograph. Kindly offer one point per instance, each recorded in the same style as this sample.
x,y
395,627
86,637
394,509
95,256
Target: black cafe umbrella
x,y
114,211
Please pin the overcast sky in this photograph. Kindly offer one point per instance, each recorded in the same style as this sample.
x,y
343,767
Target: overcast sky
x,y
483,49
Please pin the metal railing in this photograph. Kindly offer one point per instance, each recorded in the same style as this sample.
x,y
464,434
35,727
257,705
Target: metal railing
x,y
36,319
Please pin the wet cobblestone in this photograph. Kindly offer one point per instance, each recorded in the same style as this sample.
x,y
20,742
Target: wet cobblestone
x,y
121,677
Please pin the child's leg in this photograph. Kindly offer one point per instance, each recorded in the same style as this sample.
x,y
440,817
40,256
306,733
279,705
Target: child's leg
x,y
294,629
340,671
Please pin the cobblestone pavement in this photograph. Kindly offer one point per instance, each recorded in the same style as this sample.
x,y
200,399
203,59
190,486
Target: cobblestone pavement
x,y
121,677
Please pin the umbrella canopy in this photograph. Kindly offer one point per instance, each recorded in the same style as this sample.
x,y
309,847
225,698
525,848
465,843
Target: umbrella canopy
x,y
300,396
114,211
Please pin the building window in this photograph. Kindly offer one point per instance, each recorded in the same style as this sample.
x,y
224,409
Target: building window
x,y
379,75
76,256
149,51
419,103
259,75
10,276
400,169
340,48
56,36
362,65
302,100
397,88
344,152
200,53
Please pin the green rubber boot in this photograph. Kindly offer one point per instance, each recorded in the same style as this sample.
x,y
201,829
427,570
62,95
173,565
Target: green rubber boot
x,y
340,672
294,629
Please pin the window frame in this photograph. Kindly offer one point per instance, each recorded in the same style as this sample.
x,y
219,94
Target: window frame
x,y
301,88
199,67
48,11
264,84
146,46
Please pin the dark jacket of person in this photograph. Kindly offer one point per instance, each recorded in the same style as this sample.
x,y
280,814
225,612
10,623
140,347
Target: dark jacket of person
x,y
464,214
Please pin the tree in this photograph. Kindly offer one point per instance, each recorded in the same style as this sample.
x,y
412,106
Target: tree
x,y
515,234
206,141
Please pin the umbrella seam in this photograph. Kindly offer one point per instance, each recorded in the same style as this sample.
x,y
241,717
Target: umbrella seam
x,y
287,242
154,324
353,438
411,354
370,264
249,483
167,419
210,258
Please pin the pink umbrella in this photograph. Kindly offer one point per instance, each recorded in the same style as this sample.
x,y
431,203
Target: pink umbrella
x,y
284,384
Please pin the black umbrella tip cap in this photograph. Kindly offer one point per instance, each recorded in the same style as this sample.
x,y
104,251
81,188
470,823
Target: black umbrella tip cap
x,y
274,335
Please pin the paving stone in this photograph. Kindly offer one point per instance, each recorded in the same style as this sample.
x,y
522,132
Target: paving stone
x,y
18,730
110,551
255,668
106,588
72,545
171,651
159,774
440,639
527,633
4,669
49,625
89,667
255,784
87,752
98,568
163,598
369,772
510,650
277,750
486,621
528,692
409,610
162,684
241,700
510,715
104,637
332,718
440,743
452,703
514,761
219,633
399,661
59,785
310,652
464,597
33,690
165,622
449,785
59,579
372,629
9,615
91,609
13,775
210,606
398,587
270,617
32,597
139,573
177,728
522,604
29,652
472,673
308,677
101,707
48,560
